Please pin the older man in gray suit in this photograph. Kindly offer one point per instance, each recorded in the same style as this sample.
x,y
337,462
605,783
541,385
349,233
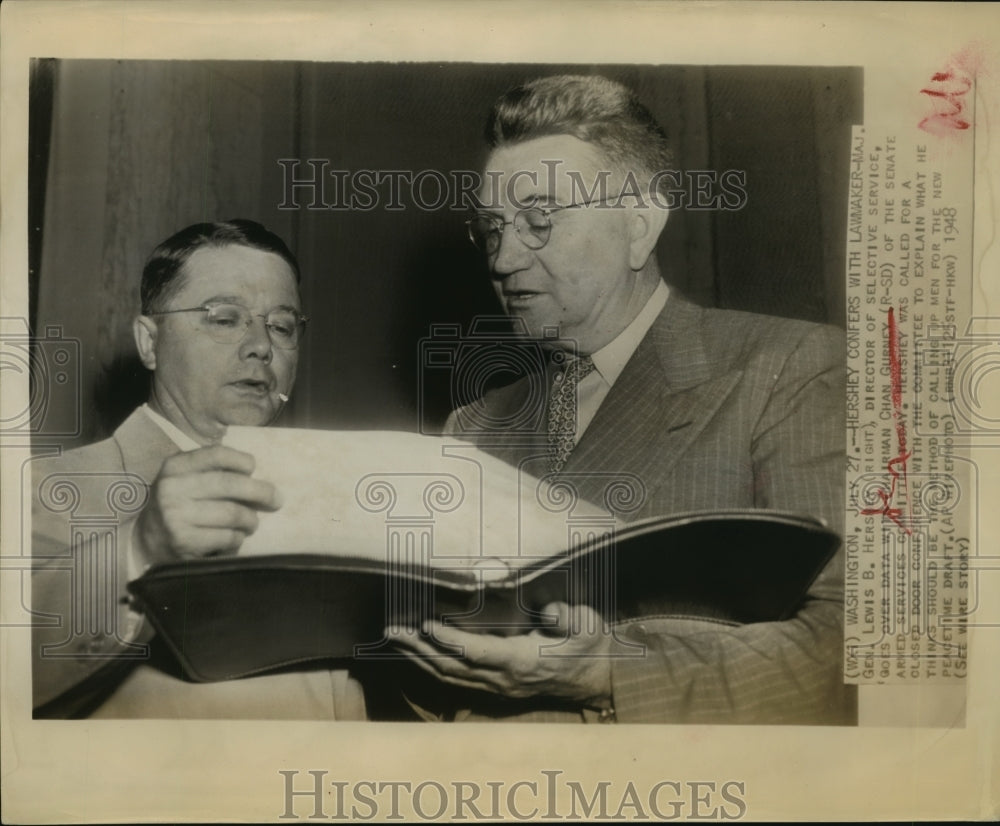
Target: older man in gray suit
x,y
710,409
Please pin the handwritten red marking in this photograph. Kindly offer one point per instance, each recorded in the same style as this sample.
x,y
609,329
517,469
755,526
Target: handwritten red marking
x,y
949,103
947,91
897,464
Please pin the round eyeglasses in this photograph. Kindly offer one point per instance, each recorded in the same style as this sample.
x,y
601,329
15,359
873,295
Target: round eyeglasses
x,y
228,323
532,225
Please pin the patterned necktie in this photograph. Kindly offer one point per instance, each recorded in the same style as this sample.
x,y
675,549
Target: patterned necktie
x,y
562,411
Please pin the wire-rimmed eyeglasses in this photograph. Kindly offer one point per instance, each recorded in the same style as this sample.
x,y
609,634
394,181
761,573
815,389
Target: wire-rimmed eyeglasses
x,y
532,225
228,323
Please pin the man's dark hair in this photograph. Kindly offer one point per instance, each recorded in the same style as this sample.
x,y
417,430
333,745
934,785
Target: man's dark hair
x,y
588,107
160,274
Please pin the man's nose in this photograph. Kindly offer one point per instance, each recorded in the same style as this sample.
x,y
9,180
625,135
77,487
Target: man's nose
x,y
257,341
512,254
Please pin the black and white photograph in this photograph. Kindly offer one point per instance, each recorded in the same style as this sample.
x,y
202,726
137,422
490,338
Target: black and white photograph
x,y
390,290
366,399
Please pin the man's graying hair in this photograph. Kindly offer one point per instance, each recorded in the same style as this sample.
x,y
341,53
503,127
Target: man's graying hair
x,y
591,108
160,275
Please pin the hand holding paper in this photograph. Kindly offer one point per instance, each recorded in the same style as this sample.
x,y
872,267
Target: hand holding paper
x,y
384,529
202,502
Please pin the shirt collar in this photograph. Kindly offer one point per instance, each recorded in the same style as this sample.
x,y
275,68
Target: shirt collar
x,y
611,359
177,436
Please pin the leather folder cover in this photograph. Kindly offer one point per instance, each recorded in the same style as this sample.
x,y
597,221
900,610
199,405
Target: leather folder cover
x,y
231,617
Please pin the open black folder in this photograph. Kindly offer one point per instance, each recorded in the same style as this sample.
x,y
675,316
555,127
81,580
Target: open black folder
x,y
226,618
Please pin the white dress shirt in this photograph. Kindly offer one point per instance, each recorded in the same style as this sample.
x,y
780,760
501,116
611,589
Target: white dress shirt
x,y
177,436
611,359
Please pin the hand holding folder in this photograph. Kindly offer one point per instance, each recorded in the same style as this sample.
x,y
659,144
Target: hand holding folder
x,y
391,529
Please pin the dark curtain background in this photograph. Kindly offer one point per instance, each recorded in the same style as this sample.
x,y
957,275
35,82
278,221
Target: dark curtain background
x,y
124,153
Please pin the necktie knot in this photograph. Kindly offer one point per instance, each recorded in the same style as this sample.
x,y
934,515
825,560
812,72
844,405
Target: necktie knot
x,y
562,416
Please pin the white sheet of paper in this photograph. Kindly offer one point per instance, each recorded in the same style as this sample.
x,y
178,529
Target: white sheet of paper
x,y
428,499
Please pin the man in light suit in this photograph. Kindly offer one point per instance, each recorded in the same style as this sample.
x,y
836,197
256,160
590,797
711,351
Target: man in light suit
x,y
707,409
219,329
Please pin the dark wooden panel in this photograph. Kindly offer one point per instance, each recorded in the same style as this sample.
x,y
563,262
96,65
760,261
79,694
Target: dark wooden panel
x,y
142,148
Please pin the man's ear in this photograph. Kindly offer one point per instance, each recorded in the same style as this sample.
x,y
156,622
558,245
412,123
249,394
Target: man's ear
x,y
645,225
145,331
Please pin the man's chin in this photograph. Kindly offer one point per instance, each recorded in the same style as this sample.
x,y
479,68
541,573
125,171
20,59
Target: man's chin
x,y
252,416
532,325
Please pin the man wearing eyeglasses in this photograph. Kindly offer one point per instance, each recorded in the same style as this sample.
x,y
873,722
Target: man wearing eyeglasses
x,y
219,330
709,409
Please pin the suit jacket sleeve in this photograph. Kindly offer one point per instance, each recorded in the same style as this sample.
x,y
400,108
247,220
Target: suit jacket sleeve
x,y
85,636
790,671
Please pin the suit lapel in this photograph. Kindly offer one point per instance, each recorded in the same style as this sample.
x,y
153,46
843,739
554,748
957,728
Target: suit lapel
x,y
666,395
143,445
511,421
